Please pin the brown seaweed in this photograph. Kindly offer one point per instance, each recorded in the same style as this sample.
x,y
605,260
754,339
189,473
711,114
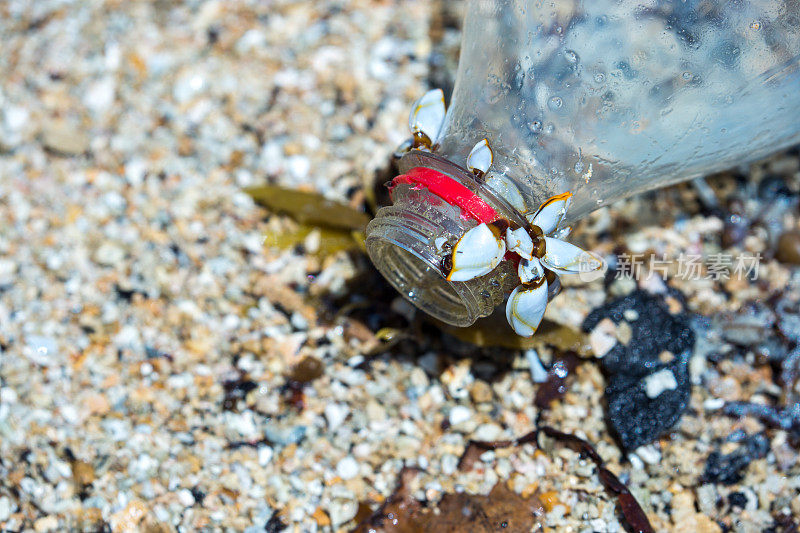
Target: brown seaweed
x,y
632,513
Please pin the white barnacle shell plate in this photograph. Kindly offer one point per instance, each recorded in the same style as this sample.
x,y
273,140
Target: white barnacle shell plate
x,y
530,270
480,157
525,308
404,147
476,253
506,189
552,211
561,233
565,258
427,114
519,241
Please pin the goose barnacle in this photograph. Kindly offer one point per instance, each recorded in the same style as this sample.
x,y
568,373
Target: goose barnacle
x,y
480,158
476,253
426,119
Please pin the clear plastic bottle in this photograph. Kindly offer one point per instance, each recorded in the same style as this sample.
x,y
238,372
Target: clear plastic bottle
x,y
602,98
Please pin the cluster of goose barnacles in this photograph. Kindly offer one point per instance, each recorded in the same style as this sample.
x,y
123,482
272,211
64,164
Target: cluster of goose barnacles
x,y
538,246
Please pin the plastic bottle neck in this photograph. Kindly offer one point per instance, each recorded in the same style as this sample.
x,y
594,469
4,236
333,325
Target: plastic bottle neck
x,y
434,203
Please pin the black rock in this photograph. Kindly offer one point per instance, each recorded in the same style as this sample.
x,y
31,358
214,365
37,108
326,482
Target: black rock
x,y
636,418
772,186
653,332
787,418
274,524
727,468
737,499
236,390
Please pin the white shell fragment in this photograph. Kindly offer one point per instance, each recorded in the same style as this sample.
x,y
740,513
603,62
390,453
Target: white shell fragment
x,y
480,157
530,271
506,189
476,253
552,211
427,114
565,258
525,309
519,241
538,373
658,382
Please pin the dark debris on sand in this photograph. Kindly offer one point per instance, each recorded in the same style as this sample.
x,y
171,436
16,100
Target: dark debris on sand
x,y
636,418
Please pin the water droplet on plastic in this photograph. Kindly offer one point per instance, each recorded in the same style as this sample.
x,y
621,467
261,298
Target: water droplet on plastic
x,y
599,77
555,103
571,56
549,128
535,126
687,75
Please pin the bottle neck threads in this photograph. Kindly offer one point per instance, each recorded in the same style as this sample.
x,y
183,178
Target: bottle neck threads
x,y
409,240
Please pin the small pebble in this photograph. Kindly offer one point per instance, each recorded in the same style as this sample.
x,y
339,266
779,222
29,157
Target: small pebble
x,y
264,455
335,414
631,315
649,454
347,468
6,508
459,414
47,523
449,464
41,350
788,248
713,404
109,254
186,498
82,473
307,370
603,337
481,392
64,139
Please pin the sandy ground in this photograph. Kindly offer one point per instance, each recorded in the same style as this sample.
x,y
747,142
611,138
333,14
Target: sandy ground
x,y
160,369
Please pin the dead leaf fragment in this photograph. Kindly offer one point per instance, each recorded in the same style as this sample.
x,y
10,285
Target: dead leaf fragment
x,y
494,331
328,241
309,207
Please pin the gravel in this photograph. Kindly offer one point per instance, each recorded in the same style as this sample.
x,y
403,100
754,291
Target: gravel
x,y
148,339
